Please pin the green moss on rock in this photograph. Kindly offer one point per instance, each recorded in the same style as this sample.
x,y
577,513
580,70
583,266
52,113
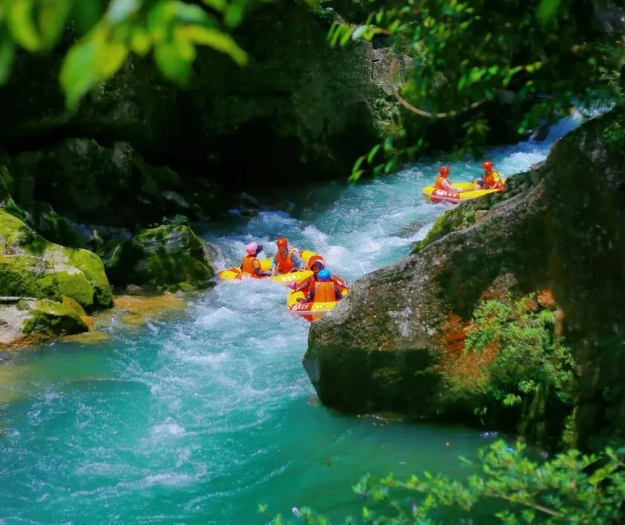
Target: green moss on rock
x,y
466,213
30,266
93,268
163,257
53,319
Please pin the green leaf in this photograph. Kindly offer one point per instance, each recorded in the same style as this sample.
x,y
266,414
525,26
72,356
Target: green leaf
x,y
234,15
52,19
77,75
372,153
172,64
109,58
159,22
358,32
217,40
190,14
140,41
217,5
184,45
547,10
355,176
358,163
7,52
19,17
120,10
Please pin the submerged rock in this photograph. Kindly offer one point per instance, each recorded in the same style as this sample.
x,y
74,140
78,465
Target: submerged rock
x,y
560,228
32,267
167,257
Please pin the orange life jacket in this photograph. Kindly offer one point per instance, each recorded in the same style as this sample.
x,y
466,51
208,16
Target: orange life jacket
x,y
285,264
324,292
248,266
494,180
438,183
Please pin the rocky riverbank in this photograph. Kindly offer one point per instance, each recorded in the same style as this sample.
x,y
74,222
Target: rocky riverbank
x,y
558,231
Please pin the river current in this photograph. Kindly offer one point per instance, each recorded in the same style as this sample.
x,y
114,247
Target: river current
x,y
200,417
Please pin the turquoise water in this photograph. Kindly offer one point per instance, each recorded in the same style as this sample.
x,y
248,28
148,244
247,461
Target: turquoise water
x,y
201,417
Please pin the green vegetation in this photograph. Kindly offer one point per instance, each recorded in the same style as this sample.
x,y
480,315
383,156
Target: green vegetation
x,y
569,488
530,357
108,31
540,55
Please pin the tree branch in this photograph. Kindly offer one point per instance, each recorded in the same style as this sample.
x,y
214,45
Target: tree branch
x,y
420,112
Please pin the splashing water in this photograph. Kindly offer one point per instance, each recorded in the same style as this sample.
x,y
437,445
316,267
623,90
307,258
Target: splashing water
x,y
200,418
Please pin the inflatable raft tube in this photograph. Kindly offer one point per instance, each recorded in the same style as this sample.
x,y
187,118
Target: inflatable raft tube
x,y
434,195
307,256
310,311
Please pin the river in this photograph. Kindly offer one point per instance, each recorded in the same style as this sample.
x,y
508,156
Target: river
x,y
200,417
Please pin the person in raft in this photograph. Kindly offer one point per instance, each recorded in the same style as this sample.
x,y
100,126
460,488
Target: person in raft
x,y
309,283
286,259
492,180
442,182
324,291
251,264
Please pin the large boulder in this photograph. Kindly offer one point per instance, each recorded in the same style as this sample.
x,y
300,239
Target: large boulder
x,y
32,267
560,228
168,257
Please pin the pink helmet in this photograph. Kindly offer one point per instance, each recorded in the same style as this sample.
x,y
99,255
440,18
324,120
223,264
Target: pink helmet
x,y
251,248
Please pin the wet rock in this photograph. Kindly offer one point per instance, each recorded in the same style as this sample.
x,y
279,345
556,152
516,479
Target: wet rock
x,y
560,228
31,266
168,257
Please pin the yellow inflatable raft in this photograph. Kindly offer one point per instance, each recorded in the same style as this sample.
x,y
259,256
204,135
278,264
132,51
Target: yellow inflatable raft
x,y
310,311
432,194
307,256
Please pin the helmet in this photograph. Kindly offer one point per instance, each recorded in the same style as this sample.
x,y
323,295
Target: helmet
x,y
444,171
252,248
324,275
282,242
487,165
316,259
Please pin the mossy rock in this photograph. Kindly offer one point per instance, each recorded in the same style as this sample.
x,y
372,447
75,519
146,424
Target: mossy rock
x,y
54,227
168,257
53,319
31,266
466,213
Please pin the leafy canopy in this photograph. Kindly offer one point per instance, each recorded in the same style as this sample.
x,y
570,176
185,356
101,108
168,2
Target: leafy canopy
x,y
170,30
542,55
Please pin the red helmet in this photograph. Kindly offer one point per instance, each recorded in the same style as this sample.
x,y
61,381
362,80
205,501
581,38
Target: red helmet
x,y
316,259
487,165
282,242
444,171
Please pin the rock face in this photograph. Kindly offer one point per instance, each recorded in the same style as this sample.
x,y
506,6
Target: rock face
x,y
298,107
559,228
32,267
27,321
167,257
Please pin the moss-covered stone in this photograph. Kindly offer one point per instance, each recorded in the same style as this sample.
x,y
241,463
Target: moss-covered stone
x,y
30,266
53,319
93,268
74,305
162,257
53,227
